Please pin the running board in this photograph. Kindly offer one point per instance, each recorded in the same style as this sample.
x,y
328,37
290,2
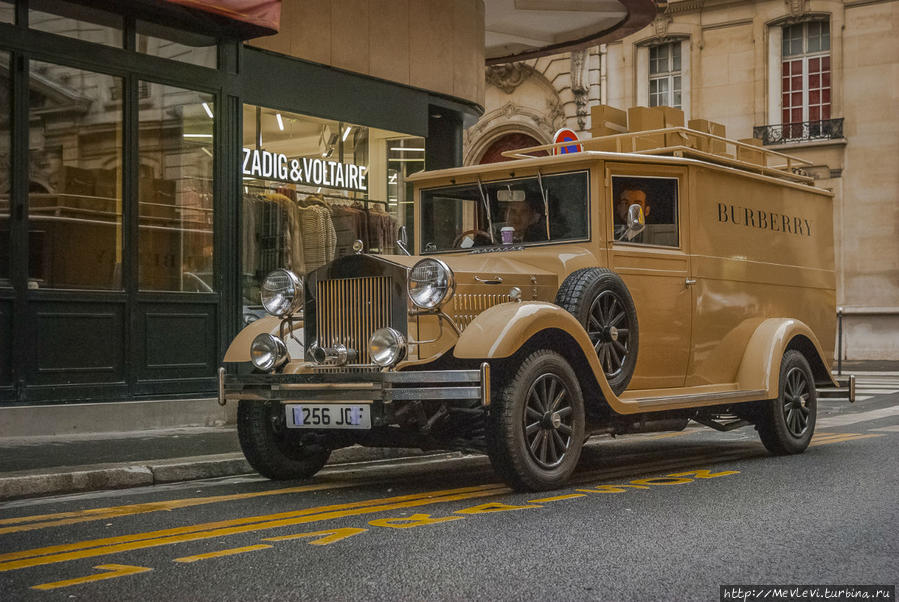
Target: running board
x,y
700,398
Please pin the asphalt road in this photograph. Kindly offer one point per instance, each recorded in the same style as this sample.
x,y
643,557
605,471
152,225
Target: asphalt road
x,y
651,517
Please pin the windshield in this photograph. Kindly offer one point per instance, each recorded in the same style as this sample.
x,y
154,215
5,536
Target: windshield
x,y
505,212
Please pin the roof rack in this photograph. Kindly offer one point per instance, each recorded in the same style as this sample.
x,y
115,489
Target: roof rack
x,y
685,142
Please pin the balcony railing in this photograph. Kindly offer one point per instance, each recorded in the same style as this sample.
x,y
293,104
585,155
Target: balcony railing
x,y
805,131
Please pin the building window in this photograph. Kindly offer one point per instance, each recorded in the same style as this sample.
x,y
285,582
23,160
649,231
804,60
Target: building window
x,y
5,143
75,179
665,75
175,191
805,73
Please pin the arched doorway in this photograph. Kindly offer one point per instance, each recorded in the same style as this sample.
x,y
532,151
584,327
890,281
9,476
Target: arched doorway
x,y
507,142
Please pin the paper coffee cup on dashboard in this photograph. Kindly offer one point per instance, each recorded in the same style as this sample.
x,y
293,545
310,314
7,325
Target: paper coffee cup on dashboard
x,y
507,232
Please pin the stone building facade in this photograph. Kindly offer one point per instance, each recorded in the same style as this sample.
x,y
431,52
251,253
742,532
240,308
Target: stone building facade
x,y
812,78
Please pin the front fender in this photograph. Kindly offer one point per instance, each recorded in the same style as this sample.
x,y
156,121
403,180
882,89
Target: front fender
x,y
239,349
760,367
503,329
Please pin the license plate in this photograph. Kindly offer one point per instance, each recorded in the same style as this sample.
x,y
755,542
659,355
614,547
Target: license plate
x,y
329,416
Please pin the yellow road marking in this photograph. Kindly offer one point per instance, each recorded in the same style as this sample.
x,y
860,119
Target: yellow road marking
x,y
114,570
556,498
493,507
331,536
113,545
669,435
80,516
229,523
408,522
220,553
847,437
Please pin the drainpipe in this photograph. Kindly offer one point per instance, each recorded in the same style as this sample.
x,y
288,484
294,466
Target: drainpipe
x,y
603,74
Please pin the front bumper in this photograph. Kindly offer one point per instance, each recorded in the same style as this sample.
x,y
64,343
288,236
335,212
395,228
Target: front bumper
x,y
338,386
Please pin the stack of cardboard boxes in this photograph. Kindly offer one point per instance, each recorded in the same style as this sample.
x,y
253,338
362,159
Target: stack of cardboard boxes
x,y
608,121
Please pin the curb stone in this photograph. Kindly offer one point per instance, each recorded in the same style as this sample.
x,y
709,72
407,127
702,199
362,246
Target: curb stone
x,y
79,479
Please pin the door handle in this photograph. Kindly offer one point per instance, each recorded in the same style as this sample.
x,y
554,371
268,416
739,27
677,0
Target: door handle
x,y
690,281
494,280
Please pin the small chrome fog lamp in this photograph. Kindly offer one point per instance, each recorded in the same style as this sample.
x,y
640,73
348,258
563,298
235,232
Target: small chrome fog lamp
x,y
282,293
267,352
431,283
387,347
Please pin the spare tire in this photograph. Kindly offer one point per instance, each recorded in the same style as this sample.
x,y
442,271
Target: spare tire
x,y
600,301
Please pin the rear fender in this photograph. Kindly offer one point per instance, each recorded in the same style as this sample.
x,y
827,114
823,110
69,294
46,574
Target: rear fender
x,y
760,367
499,332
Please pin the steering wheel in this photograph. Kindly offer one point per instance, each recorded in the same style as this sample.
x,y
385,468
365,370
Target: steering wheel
x,y
457,242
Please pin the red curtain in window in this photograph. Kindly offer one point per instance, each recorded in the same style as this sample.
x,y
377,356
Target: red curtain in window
x,y
265,14
797,74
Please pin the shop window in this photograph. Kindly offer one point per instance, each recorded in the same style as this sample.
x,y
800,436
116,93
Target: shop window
x,y
7,12
175,191
75,21
665,75
5,141
75,179
170,43
805,77
312,187
658,198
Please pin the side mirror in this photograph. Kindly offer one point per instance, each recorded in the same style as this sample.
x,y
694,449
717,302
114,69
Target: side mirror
x,y
635,220
403,242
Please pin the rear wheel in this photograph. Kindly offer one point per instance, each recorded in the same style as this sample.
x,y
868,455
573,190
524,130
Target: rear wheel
x,y
537,424
272,449
786,424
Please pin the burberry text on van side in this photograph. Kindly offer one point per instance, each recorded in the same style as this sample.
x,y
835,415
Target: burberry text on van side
x,y
765,220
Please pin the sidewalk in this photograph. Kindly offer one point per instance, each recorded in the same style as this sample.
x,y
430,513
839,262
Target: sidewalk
x,y
35,466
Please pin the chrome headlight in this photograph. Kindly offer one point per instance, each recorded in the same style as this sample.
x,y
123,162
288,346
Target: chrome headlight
x,y
267,352
431,283
282,293
387,347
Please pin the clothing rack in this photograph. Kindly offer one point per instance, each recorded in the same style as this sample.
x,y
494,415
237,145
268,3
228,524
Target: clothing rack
x,y
333,198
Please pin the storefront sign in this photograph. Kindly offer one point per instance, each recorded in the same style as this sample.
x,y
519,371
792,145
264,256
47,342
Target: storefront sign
x,y
310,172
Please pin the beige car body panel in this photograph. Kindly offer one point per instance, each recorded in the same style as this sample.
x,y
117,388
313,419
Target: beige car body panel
x,y
718,339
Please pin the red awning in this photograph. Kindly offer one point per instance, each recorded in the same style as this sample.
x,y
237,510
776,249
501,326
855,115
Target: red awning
x,y
262,14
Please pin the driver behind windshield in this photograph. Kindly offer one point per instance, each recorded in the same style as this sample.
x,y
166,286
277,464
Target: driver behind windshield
x,y
527,218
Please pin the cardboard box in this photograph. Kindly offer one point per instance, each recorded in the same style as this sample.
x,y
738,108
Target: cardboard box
x,y
708,127
642,119
750,155
674,118
607,121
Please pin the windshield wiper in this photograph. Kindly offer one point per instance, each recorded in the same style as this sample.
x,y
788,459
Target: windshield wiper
x,y
545,203
487,209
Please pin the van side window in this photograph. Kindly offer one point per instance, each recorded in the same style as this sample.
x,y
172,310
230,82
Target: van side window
x,y
658,198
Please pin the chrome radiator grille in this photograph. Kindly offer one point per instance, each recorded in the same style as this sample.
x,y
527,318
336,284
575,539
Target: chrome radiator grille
x,y
466,307
350,310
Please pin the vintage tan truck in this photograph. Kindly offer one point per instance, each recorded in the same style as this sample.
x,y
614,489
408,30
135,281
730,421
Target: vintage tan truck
x,y
628,289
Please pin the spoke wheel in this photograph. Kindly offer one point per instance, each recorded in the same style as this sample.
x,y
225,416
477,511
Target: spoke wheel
x,y
786,424
609,329
795,402
548,421
536,424
600,301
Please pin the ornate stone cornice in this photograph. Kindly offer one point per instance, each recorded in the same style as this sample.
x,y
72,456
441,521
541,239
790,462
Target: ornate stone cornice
x,y
509,76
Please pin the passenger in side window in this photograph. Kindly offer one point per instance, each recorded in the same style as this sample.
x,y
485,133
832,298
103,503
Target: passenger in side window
x,y
629,196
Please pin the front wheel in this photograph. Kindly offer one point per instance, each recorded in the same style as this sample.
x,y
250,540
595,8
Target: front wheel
x,y
272,449
537,424
786,424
